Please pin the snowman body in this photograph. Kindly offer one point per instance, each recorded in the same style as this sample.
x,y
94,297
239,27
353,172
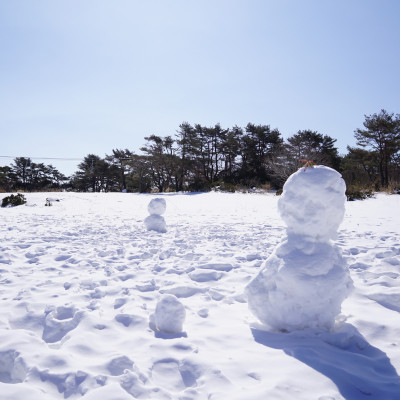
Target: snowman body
x,y
305,280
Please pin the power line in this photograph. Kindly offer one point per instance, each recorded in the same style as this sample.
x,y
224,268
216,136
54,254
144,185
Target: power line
x,y
46,158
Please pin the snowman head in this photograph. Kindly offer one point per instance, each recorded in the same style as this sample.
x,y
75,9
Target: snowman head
x,y
157,206
313,203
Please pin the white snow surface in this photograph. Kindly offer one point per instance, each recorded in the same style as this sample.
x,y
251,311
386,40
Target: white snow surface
x,y
305,280
80,282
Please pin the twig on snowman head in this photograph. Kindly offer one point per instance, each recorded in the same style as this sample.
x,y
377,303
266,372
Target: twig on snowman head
x,y
308,164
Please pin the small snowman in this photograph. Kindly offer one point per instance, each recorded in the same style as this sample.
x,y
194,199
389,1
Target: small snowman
x,y
169,314
305,280
155,221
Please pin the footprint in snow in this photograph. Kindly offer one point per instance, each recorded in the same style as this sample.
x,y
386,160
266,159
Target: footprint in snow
x,y
392,261
148,286
136,384
173,375
33,257
62,257
205,276
210,272
118,303
12,367
386,254
118,365
183,291
226,267
59,322
66,383
390,301
24,246
130,320
4,259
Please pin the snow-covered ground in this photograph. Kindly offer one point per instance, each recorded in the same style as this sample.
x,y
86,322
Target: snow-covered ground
x,y
80,282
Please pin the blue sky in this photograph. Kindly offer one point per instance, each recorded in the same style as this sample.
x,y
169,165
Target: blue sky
x,y
89,76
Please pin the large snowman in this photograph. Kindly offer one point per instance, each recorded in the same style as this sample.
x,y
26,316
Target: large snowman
x,y
305,280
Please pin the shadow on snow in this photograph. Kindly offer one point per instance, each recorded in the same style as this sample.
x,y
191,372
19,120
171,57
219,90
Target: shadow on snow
x,y
359,370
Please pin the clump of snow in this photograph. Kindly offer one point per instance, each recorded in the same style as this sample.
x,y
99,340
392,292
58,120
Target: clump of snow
x,y
155,222
157,206
170,314
305,280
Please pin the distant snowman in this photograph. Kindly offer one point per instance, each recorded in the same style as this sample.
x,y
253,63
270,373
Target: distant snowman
x,y
155,221
305,280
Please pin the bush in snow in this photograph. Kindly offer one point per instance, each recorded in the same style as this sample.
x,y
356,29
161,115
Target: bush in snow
x,y
169,314
358,193
12,201
305,280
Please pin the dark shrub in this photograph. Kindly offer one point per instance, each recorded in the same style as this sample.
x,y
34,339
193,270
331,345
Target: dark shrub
x,y
13,200
358,193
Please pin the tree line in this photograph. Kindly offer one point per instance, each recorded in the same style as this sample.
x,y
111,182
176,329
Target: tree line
x,y
200,158
26,175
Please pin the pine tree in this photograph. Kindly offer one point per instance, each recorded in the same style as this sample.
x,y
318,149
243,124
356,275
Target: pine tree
x,y
382,134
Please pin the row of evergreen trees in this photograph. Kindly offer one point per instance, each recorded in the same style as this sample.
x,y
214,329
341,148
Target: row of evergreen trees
x,y
201,158
26,175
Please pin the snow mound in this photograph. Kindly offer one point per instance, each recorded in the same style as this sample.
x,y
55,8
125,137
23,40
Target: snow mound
x,y
312,202
305,280
156,223
157,206
170,314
